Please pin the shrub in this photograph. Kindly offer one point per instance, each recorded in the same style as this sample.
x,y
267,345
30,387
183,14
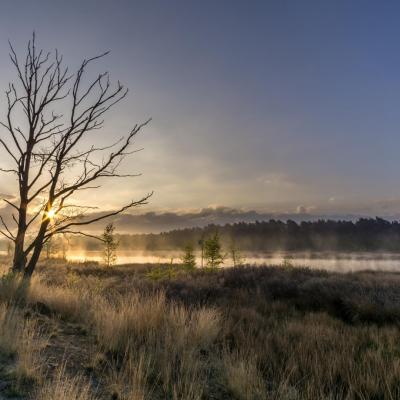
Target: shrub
x,y
188,258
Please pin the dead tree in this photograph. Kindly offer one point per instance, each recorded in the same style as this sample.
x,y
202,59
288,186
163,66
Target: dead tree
x,y
50,113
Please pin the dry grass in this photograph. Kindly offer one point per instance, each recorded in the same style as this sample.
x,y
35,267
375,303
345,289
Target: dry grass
x,y
168,337
64,301
128,322
30,363
62,387
243,377
13,289
129,379
23,340
265,333
11,322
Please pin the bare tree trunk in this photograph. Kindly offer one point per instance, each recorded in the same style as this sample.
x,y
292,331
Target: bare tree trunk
x,y
19,255
19,251
36,250
33,260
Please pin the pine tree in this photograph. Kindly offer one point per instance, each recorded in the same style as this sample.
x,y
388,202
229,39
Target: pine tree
x,y
110,245
212,251
188,258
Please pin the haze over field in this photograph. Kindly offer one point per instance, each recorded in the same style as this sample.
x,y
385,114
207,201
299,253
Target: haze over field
x,y
261,107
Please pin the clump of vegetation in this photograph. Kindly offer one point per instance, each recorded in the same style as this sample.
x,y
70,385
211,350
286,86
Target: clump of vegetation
x,y
63,387
110,245
160,338
163,271
287,263
189,258
213,251
22,341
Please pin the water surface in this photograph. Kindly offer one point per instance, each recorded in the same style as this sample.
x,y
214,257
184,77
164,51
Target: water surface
x,y
340,262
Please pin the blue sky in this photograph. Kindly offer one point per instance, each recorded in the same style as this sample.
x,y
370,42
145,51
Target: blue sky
x,y
275,106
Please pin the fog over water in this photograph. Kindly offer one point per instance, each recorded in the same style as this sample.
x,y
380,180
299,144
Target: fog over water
x,y
339,262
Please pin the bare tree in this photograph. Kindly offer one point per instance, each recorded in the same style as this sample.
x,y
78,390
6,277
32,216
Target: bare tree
x,y
236,254
50,113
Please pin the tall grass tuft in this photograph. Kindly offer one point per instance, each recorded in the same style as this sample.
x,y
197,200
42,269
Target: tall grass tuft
x,y
168,336
62,387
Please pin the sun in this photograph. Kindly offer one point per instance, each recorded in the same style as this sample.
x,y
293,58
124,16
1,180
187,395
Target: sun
x,y
51,213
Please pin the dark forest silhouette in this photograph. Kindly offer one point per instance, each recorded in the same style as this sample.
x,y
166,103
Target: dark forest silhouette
x,y
366,234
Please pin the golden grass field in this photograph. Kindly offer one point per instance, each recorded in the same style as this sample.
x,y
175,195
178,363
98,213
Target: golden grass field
x,y
135,332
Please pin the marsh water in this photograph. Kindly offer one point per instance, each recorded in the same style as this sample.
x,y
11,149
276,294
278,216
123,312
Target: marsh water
x,y
340,262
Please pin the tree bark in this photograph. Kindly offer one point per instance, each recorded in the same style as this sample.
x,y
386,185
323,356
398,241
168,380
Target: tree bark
x,y
30,268
19,261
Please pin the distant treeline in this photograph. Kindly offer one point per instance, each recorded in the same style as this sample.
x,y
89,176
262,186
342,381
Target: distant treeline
x,y
367,234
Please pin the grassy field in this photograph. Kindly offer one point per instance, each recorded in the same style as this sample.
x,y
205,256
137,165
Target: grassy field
x,y
81,331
